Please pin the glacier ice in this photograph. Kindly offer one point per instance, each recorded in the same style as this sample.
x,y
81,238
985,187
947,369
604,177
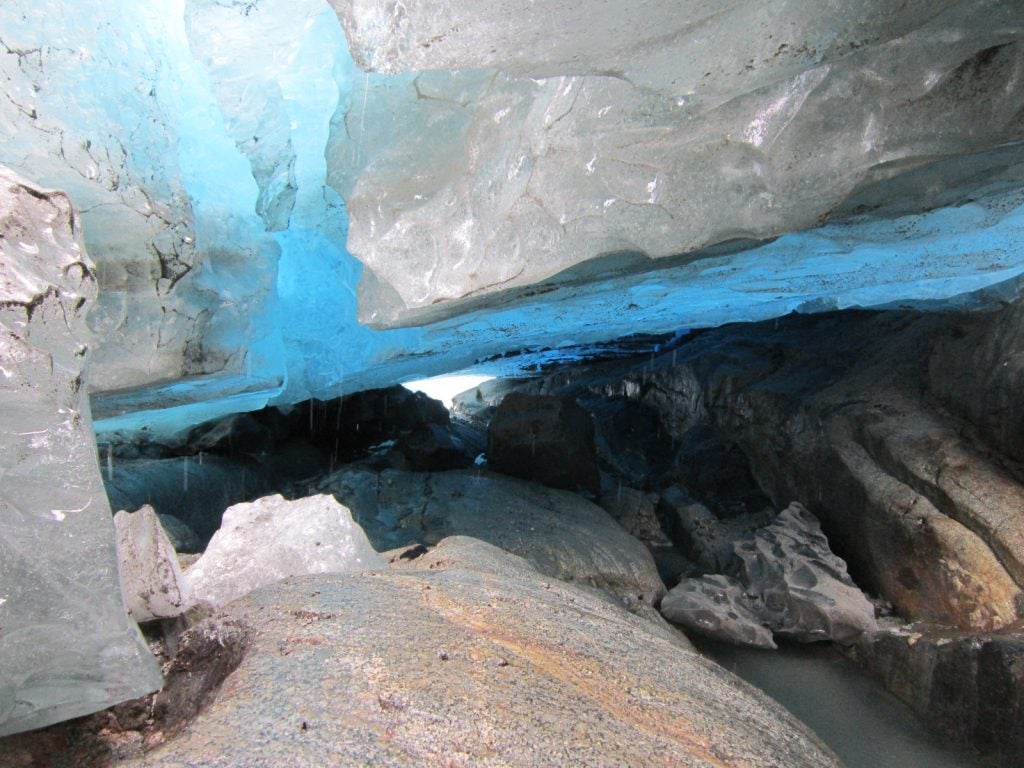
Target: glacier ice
x,y
657,129
226,157
67,647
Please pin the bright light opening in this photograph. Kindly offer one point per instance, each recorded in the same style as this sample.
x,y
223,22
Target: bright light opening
x,y
444,388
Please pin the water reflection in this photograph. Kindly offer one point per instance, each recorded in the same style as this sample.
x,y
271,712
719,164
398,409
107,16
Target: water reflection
x,y
865,725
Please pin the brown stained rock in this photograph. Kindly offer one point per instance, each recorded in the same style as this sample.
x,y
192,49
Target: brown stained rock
x,y
835,411
546,439
442,668
969,686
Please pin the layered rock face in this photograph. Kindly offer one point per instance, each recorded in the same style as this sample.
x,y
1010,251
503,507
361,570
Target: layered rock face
x,y
900,430
857,415
67,647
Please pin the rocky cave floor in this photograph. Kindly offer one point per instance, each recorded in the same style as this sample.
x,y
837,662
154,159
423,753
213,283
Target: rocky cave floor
x,y
696,451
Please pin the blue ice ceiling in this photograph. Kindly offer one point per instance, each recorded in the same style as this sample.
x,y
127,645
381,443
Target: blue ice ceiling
x,y
215,149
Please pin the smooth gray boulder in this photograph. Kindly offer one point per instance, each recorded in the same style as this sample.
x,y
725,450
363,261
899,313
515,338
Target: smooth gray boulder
x,y
67,646
803,588
562,534
269,539
717,606
464,668
148,566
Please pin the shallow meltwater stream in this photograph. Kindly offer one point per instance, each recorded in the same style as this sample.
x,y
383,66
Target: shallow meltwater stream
x,y
865,725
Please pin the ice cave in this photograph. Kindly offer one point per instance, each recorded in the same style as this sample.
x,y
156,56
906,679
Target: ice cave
x,y
734,293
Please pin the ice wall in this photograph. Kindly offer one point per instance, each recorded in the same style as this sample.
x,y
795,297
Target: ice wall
x,y
67,647
656,129
217,150
104,100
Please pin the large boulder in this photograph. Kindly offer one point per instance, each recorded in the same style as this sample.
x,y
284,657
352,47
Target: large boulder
x,y
67,646
549,440
269,539
803,589
460,667
562,534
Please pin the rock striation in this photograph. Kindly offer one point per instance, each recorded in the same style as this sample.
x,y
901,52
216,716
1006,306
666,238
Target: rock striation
x,y
844,413
444,665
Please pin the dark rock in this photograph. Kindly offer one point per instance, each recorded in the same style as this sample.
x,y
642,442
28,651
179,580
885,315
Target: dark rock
x,y
635,511
195,489
430,447
347,427
455,667
673,565
236,434
716,471
969,686
701,536
181,535
630,440
549,440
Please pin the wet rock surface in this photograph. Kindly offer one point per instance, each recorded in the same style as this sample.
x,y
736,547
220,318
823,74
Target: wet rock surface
x,y
969,686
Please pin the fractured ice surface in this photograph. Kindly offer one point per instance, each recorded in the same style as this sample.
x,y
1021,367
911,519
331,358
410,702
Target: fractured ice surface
x,y
217,149
656,128
67,647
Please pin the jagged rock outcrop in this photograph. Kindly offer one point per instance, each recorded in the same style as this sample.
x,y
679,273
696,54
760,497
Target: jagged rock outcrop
x,y
839,411
460,667
67,647
790,584
560,533
803,590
